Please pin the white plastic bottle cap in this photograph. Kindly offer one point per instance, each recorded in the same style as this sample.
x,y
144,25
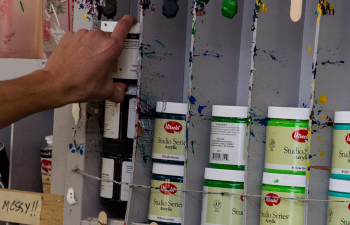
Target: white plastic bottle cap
x,y
339,185
172,107
49,139
168,169
342,117
284,180
230,111
224,175
288,113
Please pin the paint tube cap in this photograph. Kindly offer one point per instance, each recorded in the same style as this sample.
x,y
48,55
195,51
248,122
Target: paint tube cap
x,y
339,185
172,107
230,111
168,169
284,180
224,175
342,117
288,113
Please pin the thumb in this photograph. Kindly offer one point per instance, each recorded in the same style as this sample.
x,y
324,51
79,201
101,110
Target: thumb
x,y
118,93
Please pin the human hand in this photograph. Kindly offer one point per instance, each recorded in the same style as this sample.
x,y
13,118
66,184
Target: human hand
x,y
80,67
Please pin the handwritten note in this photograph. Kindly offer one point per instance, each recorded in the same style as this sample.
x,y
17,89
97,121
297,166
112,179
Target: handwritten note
x,y
20,208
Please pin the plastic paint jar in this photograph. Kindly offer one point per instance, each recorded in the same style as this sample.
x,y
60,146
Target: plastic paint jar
x,y
286,140
282,211
165,207
338,212
222,209
116,165
169,141
227,140
341,146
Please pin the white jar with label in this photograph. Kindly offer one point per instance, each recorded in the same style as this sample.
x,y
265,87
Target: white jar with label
x,y
227,140
220,209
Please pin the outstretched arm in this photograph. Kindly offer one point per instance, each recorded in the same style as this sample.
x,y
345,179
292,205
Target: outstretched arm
x,y
77,71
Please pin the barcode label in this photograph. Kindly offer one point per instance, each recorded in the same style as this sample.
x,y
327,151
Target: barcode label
x,y
220,157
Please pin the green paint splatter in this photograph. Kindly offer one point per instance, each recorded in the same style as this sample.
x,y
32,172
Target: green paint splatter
x,y
229,8
192,143
192,125
59,9
160,43
194,27
276,181
192,77
20,2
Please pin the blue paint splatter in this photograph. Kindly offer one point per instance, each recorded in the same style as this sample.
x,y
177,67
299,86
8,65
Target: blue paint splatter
x,y
252,134
192,100
70,146
81,152
262,122
200,108
73,151
207,53
304,105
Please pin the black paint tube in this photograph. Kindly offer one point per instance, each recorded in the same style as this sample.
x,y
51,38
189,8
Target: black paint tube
x,y
4,165
110,9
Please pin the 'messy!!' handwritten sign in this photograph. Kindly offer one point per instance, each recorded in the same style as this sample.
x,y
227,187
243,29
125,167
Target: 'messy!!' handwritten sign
x,y
20,208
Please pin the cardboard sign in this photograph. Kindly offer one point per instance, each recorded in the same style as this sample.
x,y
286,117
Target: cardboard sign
x,y
20,208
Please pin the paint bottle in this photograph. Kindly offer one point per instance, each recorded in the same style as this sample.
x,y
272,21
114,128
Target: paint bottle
x,y
46,164
282,211
338,212
116,165
165,206
286,140
341,146
170,133
119,122
223,209
227,140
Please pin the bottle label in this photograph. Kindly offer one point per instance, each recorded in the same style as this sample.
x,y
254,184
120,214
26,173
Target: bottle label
x,y
169,139
166,206
126,177
227,142
338,212
286,148
281,211
107,172
131,117
341,152
222,209
46,166
112,119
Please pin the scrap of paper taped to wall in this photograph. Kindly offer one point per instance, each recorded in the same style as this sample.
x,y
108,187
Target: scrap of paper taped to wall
x,y
20,208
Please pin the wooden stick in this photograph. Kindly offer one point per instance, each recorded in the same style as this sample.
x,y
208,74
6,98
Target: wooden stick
x,y
102,218
296,9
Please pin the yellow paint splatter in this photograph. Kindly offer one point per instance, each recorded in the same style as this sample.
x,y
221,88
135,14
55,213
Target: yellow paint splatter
x,y
308,175
322,99
319,137
264,8
336,108
275,12
308,47
321,153
85,16
326,118
313,85
308,164
308,148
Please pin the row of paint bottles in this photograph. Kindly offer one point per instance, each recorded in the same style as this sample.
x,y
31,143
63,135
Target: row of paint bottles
x,y
168,154
285,166
227,163
339,184
120,124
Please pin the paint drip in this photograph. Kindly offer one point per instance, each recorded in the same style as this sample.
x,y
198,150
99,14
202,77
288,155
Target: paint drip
x,y
170,8
229,8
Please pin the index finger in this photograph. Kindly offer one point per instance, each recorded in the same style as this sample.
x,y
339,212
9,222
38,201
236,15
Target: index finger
x,y
122,28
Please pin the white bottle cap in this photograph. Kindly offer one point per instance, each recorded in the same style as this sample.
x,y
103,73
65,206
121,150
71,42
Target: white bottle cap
x,y
288,113
230,111
342,117
49,139
168,169
284,180
224,175
339,185
172,107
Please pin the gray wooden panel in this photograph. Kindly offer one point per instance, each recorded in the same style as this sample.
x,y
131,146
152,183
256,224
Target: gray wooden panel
x,y
276,82
215,74
162,79
332,80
